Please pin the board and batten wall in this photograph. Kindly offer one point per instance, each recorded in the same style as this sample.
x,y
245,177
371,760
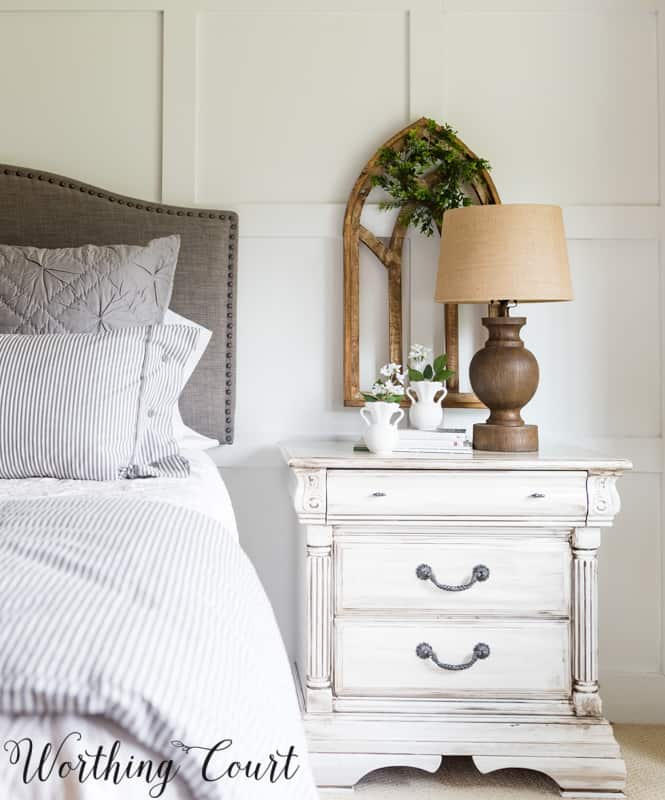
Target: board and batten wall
x,y
271,107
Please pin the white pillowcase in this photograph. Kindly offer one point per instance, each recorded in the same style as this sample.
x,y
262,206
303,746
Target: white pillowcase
x,y
187,438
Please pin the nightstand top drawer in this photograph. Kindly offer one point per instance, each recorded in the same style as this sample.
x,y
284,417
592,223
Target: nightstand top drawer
x,y
406,494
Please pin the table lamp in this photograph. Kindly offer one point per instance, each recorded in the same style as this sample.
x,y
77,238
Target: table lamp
x,y
503,255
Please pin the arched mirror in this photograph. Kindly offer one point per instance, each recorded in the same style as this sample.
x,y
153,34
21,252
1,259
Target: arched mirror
x,y
374,265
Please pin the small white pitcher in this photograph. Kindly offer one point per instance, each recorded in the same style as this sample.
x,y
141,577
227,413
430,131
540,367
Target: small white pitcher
x,y
381,434
426,412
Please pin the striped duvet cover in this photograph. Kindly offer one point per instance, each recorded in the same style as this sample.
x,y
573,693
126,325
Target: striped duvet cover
x,y
151,616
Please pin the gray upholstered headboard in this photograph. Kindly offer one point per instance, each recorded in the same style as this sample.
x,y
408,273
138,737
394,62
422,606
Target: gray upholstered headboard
x,y
45,210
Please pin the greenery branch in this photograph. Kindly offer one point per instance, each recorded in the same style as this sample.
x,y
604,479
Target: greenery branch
x,y
427,175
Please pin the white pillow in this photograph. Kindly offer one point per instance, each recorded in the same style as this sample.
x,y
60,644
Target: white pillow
x,y
187,438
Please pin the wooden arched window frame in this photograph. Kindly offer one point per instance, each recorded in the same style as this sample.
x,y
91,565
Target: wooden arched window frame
x,y
390,255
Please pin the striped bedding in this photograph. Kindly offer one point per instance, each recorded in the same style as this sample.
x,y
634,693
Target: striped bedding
x,y
152,616
93,406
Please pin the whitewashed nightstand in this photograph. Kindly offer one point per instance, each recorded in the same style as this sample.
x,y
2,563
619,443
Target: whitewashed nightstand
x,y
449,607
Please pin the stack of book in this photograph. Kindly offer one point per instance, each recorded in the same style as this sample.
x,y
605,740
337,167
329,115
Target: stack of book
x,y
441,440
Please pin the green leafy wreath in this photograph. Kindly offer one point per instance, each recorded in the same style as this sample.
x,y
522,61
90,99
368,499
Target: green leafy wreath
x,y
427,175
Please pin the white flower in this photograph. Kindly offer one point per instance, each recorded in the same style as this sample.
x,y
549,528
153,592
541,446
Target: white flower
x,y
420,356
390,381
393,372
390,369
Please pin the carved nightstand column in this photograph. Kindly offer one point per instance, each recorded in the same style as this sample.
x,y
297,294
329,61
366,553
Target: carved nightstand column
x,y
315,662
603,505
586,699
318,680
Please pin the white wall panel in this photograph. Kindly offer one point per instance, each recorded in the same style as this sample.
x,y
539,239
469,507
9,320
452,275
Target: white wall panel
x,y
630,580
292,105
289,366
81,95
600,355
564,105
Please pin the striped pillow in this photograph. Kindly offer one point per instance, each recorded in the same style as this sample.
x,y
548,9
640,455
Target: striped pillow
x,y
92,406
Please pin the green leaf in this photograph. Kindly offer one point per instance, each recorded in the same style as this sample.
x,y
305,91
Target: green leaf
x,y
428,372
443,375
369,397
440,362
415,375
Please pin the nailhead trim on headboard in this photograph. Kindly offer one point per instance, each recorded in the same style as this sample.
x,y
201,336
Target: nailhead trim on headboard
x,y
114,198
231,217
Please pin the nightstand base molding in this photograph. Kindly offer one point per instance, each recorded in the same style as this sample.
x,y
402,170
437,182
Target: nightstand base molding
x,y
582,758
342,772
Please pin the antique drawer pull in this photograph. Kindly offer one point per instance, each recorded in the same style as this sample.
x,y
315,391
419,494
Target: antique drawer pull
x,y
480,573
378,494
480,651
537,495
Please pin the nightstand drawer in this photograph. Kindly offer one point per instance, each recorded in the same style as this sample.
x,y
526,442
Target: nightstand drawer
x,y
406,494
474,574
512,659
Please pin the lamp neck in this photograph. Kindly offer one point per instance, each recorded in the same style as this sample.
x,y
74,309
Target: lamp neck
x,y
501,308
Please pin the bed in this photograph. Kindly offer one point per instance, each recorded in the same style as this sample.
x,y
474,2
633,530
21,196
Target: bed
x,y
139,655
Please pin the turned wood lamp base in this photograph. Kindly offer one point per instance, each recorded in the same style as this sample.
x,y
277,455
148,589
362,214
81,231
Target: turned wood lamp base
x,y
502,439
504,375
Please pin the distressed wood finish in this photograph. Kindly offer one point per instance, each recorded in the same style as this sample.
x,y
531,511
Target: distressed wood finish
x,y
310,493
368,699
570,773
316,666
331,772
484,192
604,502
378,573
424,494
586,698
377,657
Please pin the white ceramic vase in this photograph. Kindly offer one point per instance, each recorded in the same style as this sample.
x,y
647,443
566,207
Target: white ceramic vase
x,y
381,433
426,412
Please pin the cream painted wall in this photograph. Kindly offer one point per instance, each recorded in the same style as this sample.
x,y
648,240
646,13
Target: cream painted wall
x,y
272,106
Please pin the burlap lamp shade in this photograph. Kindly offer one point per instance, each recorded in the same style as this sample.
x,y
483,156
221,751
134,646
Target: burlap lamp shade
x,y
502,254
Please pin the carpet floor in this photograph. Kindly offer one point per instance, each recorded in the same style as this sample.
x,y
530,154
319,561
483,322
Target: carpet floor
x,y
643,748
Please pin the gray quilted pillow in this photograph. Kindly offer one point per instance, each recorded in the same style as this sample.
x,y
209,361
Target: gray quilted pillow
x,y
85,289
